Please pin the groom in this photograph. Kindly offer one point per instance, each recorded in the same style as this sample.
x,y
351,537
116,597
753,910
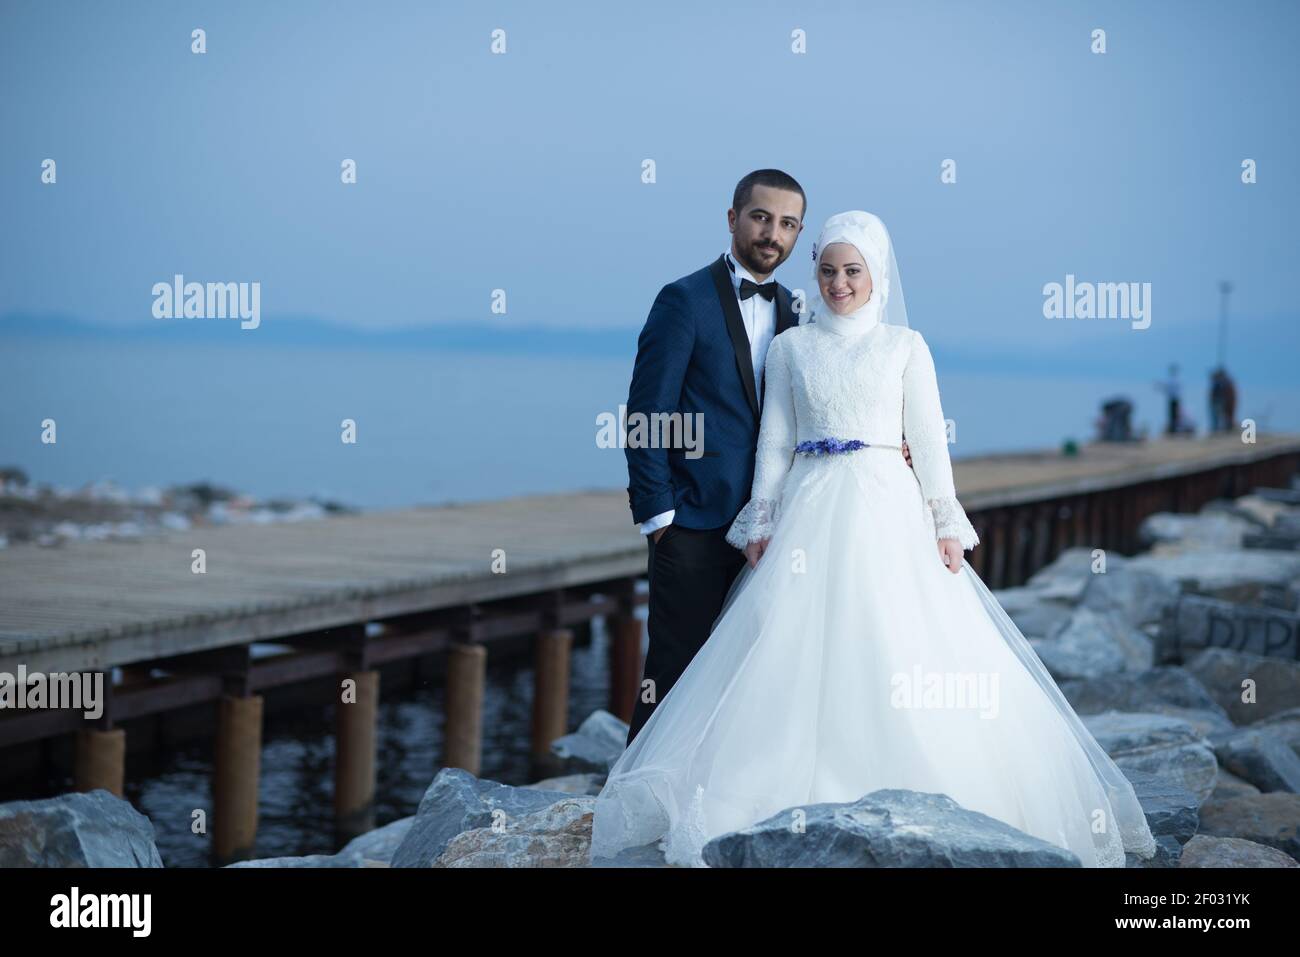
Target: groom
x,y
701,354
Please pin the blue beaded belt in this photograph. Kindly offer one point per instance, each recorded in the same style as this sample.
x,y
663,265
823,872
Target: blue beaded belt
x,y
836,446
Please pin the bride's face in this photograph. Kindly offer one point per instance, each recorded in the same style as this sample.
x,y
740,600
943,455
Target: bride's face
x,y
843,278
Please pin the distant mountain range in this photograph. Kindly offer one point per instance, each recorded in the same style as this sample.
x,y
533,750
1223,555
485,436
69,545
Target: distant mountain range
x,y
483,336
1261,351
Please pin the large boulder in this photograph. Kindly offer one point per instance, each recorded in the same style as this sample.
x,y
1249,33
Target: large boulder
x,y
1034,614
1248,687
1259,756
1206,851
1139,597
456,802
1171,812
1272,819
886,828
1093,645
79,829
555,836
1157,744
1166,690
372,849
1208,529
1067,577
1194,623
1286,725
1233,574
594,747
588,783
1228,785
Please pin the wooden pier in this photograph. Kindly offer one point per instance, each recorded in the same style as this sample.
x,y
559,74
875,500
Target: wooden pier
x,y
347,594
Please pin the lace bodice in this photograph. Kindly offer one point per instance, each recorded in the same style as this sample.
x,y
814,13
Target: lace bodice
x,y
849,378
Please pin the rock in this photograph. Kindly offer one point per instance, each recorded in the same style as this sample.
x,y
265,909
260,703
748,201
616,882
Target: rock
x,y
1285,724
1260,757
589,783
1228,785
1167,690
1166,747
555,836
886,828
1226,674
1035,615
1270,819
1261,510
79,829
595,746
375,847
1139,597
1286,496
1233,574
1172,815
309,860
1093,644
650,855
372,849
1068,575
1194,623
1206,851
1272,541
457,801
1283,599
1207,529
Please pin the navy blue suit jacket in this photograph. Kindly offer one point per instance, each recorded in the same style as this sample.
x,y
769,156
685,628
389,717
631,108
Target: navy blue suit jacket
x,y
693,356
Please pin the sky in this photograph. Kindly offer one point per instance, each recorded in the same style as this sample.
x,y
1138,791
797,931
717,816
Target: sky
x,y
522,170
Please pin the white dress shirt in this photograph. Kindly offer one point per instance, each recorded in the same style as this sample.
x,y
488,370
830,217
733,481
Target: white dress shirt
x,y
759,316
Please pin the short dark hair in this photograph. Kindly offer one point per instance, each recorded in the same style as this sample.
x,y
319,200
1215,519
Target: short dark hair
x,y
774,178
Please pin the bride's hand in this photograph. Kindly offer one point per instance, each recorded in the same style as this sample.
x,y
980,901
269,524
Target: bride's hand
x,y
950,553
754,551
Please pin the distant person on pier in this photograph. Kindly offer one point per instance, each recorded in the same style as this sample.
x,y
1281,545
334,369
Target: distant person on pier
x,y
1223,401
1229,401
1173,392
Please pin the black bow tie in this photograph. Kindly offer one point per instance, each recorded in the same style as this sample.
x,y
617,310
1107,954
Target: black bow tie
x,y
767,289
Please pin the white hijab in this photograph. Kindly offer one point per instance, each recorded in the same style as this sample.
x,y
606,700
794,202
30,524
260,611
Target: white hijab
x,y
866,233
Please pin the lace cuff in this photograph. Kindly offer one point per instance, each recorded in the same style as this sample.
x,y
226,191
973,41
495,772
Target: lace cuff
x,y
755,522
950,521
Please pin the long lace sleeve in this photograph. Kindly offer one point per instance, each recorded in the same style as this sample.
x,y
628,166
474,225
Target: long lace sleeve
x,y
927,439
775,455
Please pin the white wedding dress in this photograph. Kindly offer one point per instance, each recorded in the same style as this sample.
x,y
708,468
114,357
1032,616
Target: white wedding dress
x,y
824,676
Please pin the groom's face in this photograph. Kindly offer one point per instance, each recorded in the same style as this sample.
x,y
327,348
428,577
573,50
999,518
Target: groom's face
x,y
765,231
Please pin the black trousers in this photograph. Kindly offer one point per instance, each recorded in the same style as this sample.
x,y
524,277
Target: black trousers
x,y
690,571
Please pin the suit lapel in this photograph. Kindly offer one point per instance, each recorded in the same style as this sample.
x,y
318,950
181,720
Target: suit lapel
x,y
736,329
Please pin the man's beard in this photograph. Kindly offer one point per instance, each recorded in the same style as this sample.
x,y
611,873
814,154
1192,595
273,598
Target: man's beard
x,y
751,258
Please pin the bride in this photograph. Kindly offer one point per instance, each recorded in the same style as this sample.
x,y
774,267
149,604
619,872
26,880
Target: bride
x,y
830,670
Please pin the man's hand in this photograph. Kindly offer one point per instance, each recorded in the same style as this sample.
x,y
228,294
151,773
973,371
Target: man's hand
x,y
658,533
907,454
754,551
950,552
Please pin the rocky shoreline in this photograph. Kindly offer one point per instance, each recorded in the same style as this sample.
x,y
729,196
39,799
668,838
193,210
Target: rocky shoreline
x,y
1181,661
48,515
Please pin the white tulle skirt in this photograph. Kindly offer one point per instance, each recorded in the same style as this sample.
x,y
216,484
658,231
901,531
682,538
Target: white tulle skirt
x,y
851,659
